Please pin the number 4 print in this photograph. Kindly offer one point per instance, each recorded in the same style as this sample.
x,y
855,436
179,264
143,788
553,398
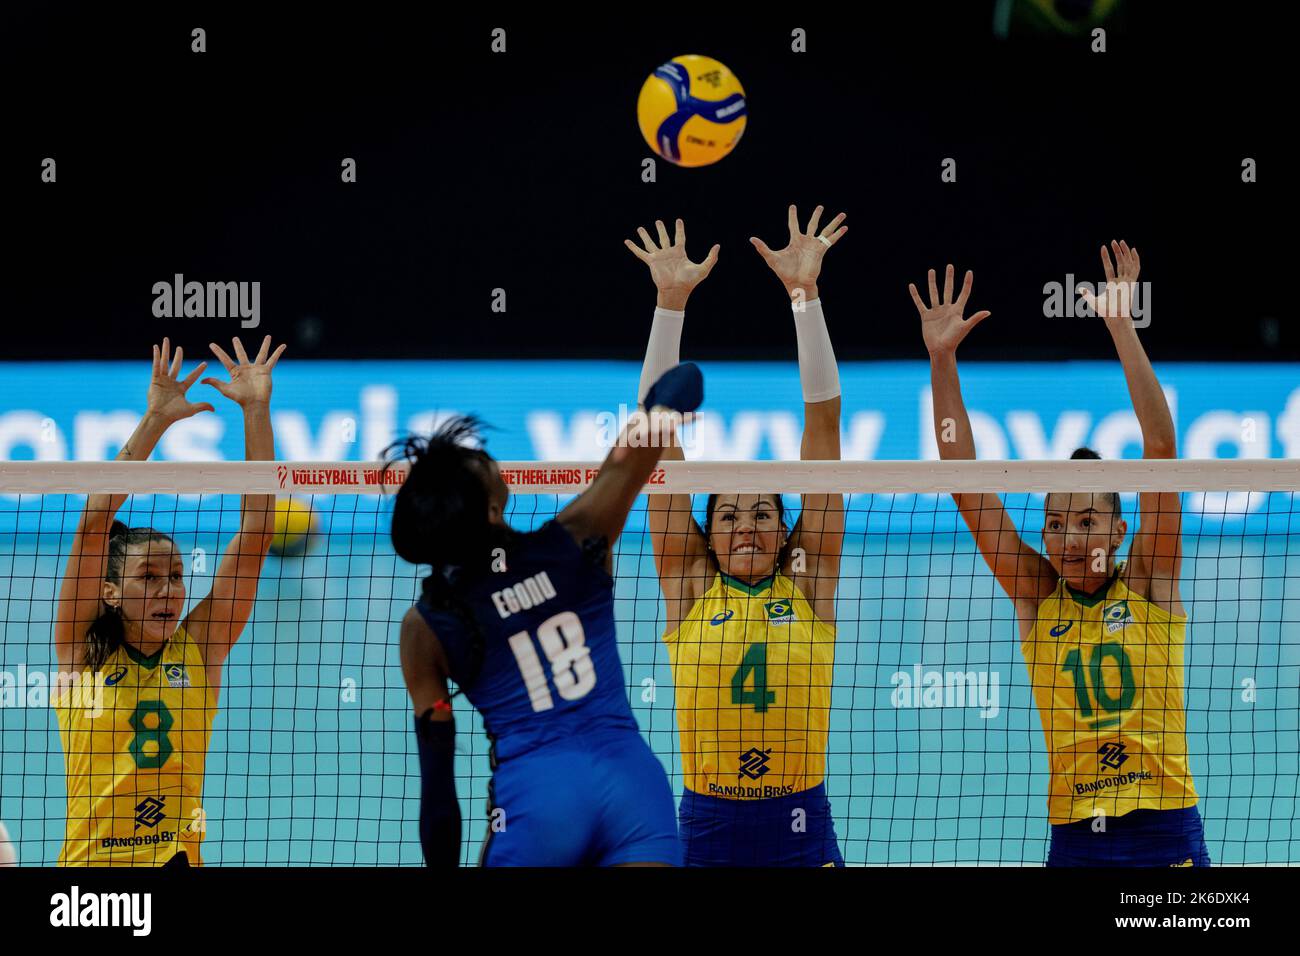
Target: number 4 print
x,y
755,662
564,644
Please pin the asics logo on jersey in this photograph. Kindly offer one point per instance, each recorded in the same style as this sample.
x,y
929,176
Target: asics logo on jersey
x,y
753,763
114,677
1112,755
1061,629
149,812
722,617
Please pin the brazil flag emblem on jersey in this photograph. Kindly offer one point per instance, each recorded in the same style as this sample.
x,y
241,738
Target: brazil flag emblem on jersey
x,y
1116,616
779,612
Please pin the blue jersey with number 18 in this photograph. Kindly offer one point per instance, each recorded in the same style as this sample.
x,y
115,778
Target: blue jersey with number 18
x,y
550,665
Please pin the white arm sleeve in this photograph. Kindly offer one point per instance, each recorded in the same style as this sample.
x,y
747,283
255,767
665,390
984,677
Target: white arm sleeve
x,y
818,374
663,351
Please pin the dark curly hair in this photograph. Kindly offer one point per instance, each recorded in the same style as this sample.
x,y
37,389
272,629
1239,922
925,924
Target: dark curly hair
x,y
440,518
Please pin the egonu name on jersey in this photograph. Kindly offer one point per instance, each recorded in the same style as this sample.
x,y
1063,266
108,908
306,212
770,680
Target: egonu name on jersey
x,y
528,593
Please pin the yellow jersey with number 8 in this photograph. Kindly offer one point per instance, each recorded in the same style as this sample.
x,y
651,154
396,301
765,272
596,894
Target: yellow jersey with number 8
x,y
135,758
1107,675
752,670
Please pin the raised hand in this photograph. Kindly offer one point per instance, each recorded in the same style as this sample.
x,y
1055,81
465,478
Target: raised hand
x,y
674,275
942,323
800,263
167,394
250,382
1116,299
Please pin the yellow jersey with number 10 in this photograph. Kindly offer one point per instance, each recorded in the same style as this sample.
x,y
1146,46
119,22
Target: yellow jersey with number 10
x,y
1107,675
135,759
752,671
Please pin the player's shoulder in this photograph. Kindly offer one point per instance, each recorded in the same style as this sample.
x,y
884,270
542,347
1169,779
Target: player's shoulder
x,y
414,621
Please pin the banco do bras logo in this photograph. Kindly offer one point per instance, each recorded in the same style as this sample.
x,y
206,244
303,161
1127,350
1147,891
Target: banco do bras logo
x,y
1112,755
149,812
753,763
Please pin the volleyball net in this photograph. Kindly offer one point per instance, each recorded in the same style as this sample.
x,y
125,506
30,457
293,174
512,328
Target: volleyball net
x,y
934,747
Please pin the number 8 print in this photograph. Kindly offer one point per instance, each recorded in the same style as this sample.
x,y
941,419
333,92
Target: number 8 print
x,y
564,644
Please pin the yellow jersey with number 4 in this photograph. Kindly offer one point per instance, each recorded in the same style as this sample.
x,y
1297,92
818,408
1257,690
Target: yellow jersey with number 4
x,y
135,758
1107,674
752,669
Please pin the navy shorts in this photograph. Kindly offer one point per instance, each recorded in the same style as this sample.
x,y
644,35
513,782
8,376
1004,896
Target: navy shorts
x,y
594,800
776,831
1138,838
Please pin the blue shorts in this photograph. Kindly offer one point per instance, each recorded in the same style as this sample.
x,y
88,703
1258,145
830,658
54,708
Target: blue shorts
x,y
1138,838
594,800
767,832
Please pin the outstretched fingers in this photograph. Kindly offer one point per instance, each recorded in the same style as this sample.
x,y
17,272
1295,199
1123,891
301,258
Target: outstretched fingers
x,y
813,222
190,379
647,243
916,297
1106,267
965,291
663,234
834,230
225,359
637,250
711,259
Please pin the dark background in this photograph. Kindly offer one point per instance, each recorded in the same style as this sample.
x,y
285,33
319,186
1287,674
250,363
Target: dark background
x,y
522,171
